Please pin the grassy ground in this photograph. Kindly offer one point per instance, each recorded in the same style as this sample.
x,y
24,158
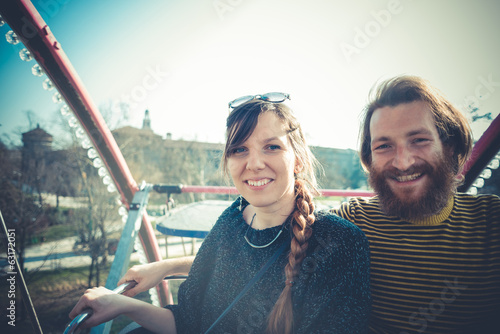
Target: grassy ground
x,y
54,293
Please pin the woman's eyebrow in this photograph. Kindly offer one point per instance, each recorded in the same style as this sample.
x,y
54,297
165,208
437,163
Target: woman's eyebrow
x,y
271,139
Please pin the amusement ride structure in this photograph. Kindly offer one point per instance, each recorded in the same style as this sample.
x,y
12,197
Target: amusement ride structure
x,y
40,44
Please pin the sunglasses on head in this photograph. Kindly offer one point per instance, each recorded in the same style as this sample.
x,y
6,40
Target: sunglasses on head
x,y
269,97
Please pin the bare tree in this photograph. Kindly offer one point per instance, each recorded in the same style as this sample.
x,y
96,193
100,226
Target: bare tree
x,y
93,222
20,210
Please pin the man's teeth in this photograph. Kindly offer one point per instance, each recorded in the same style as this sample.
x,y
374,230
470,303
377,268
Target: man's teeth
x,y
406,178
258,183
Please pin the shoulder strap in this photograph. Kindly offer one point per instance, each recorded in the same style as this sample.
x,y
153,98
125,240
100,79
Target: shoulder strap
x,y
249,284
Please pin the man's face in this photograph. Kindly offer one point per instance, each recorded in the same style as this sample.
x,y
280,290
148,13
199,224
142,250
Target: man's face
x,y
410,170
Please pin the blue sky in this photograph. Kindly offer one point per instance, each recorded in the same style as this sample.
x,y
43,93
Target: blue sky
x,y
184,60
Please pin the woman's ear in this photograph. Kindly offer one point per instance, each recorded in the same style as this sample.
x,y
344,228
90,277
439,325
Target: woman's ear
x,y
298,166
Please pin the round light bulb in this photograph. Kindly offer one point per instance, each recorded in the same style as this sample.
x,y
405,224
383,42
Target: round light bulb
x,y
494,164
107,180
72,121
65,110
102,172
92,153
37,70
472,191
122,211
25,55
486,173
97,163
479,183
12,38
47,84
2,22
140,251
79,132
86,143
153,294
111,188
57,98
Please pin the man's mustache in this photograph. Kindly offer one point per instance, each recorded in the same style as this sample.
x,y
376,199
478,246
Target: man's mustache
x,y
393,172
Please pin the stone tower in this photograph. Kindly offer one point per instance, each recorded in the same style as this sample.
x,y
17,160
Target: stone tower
x,y
146,123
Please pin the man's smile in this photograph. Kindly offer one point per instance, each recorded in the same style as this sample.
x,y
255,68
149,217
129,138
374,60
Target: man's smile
x,y
407,178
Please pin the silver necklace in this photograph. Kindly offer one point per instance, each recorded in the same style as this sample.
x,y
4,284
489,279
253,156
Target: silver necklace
x,y
263,246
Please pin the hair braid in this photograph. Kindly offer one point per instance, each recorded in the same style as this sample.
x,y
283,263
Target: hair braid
x,y
281,317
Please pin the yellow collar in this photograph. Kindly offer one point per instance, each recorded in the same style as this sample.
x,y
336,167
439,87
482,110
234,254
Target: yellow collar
x,y
436,219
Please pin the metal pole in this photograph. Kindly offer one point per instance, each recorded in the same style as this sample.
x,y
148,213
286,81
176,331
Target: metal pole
x,y
14,270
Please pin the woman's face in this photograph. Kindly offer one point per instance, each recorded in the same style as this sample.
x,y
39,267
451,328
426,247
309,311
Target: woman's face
x,y
262,168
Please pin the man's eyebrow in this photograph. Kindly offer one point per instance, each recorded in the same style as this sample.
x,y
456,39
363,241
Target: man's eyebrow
x,y
382,138
416,132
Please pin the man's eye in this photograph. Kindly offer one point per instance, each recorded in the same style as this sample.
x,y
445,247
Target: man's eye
x,y
381,147
420,140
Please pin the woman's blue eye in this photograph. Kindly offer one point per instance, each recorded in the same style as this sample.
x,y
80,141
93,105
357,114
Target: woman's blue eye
x,y
274,147
238,150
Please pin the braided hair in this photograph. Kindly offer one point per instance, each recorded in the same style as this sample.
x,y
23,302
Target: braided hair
x,y
281,317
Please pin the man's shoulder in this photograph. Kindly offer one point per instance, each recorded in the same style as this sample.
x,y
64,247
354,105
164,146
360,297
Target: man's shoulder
x,y
481,209
485,200
358,205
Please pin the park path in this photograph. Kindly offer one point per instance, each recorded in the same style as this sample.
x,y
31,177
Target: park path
x,y
59,254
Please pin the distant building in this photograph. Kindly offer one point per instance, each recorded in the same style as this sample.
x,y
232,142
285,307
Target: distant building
x,y
37,139
37,147
37,143
146,123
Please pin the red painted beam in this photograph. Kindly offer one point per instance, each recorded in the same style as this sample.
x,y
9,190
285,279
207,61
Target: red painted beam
x,y
34,33
232,190
484,150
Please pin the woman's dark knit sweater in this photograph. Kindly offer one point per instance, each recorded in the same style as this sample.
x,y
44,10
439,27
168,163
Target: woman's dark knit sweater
x,y
331,294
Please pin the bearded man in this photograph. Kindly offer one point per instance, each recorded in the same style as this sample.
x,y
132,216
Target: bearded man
x,y
435,253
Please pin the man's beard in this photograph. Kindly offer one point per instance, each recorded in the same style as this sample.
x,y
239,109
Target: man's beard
x,y
434,198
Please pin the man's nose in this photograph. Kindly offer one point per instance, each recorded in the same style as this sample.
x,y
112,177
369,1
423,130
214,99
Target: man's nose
x,y
403,159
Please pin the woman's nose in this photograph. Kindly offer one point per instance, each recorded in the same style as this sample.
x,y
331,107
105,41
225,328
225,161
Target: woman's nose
x,y
255,161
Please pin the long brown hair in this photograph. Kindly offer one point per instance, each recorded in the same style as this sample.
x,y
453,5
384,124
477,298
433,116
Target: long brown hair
x,y
452,126
240,125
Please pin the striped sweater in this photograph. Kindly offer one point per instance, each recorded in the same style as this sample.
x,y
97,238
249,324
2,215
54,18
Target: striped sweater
x,y
438,275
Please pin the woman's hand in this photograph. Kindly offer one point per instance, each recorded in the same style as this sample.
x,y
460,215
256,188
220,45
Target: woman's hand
x,y
151,274
105,304
146,275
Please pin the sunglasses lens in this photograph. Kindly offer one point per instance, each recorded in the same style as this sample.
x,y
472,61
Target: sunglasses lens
x,y
275,97
239,101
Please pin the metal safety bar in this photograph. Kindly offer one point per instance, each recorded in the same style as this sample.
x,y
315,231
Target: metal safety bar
x,y
126,245
74,326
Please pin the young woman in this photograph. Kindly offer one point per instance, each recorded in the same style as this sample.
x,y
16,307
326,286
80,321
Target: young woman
x,y
319,283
